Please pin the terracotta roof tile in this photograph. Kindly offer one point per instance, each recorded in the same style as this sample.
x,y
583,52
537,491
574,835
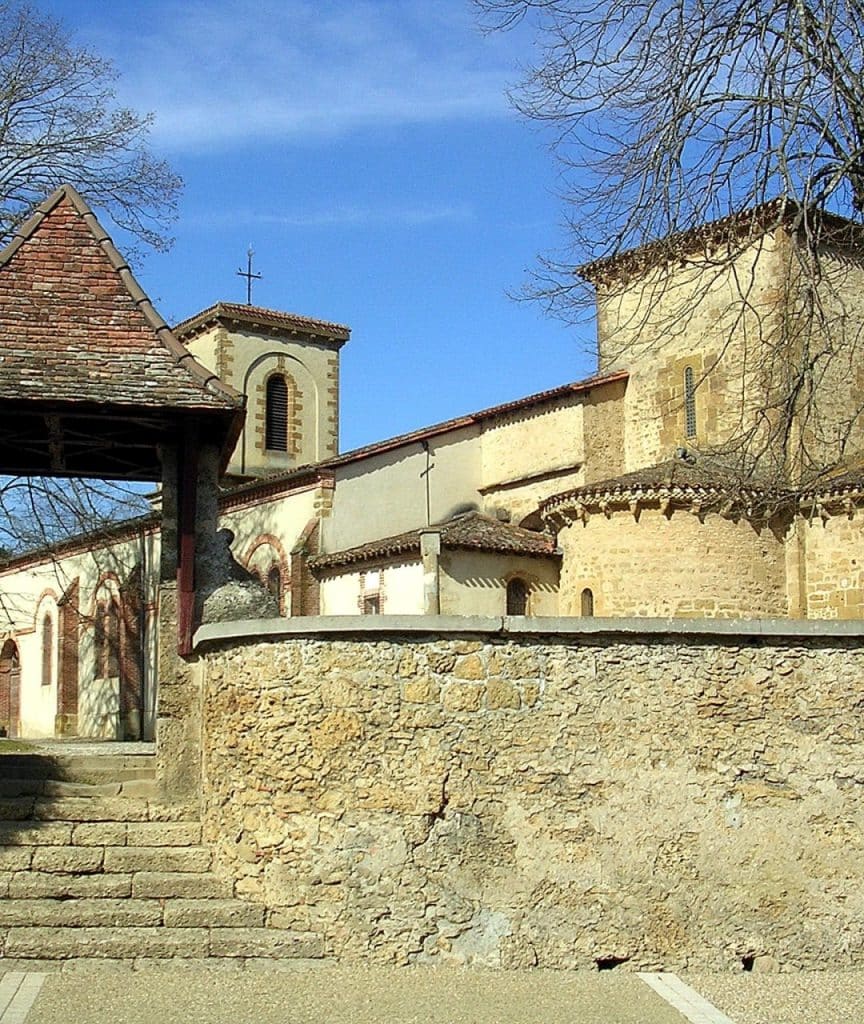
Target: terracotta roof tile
x,y
75,326
436,429
702,475
257,316
472,531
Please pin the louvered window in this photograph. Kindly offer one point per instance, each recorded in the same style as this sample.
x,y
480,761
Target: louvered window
x,y
277,415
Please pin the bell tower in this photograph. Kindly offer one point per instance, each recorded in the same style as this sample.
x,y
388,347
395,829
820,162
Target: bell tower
x,y
287,366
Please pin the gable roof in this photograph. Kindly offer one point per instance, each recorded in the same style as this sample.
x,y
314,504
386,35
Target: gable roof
x,y
471,532
92,380
257,317
75,325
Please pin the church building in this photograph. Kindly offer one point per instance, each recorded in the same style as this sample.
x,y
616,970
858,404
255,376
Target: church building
x,y
678,481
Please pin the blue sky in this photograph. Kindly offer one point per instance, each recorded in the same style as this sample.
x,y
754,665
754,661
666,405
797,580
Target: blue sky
x,y
368,153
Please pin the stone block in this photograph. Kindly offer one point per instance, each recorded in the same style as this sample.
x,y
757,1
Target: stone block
x,y
34,885
48,833
463,697
87,809
204,913
469,666
99,833
421,691
80,860
81,913
15,858
164,833
270,942
157,858
501,694
124,943
180,885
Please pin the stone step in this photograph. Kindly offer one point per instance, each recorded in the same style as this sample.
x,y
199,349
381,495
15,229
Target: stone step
x,y
142,885
26,787
63,859
87,808
90,769
59,943
130,913
98,833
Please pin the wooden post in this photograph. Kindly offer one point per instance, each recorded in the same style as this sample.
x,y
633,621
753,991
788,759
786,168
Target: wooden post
x,y
187,480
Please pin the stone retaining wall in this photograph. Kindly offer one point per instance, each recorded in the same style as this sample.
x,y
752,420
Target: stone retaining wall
x,y
665,795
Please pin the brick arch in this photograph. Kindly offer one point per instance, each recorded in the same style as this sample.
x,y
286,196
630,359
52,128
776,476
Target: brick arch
x,y
10,689
46,628
280,562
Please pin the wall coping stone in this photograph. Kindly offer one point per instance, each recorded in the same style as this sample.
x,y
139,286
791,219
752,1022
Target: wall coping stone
x,y
546,626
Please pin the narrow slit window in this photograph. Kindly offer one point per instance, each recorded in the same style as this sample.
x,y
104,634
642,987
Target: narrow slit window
x,y
689,402
47,651
276,439
274,582
587,603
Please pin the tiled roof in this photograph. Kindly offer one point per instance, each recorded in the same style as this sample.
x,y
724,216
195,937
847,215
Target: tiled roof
x,y
471,531
681,476
436,429
256,316
76,327
749,222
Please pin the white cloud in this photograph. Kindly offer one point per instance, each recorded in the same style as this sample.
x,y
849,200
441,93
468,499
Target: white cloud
x,y
221,74
340,216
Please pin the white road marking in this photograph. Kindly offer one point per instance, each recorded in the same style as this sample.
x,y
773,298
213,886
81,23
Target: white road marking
x,y
18,991
684,999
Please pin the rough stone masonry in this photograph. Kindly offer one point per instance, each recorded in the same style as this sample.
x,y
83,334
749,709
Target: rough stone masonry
x,y
678,798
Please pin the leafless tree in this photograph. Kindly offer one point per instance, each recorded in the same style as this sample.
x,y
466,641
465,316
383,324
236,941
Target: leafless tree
x,y
669,114
59,122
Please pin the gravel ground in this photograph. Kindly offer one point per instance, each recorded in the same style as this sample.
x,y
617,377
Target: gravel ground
x,y
345,996
823,997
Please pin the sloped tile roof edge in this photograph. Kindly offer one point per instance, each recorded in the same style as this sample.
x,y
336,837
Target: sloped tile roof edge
x,y
759,218
664,478
207,381
494,536
273,481
259,315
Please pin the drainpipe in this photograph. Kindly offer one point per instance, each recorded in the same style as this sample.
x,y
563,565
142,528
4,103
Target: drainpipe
x,y
430,550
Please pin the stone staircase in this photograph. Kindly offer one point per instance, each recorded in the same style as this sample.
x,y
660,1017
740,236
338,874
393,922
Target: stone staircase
x,y
93,865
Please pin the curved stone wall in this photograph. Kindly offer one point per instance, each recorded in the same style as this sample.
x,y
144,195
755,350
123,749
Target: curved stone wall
x,y
679,565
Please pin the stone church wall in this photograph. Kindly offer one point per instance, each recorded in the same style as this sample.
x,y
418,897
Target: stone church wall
x,y
665,794
677,564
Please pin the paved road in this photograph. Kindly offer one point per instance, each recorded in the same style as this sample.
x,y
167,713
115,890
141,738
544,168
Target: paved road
x,y
266,994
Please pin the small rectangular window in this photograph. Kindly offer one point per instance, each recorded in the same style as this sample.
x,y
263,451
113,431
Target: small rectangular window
x,y
371,604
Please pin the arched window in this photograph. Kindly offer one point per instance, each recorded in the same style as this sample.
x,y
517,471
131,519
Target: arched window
x,y
689,402
47,650
276,414
10,689
517,597
587,603
107,640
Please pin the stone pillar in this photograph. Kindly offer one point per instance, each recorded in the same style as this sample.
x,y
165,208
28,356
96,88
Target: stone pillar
x,y
430,551
178,710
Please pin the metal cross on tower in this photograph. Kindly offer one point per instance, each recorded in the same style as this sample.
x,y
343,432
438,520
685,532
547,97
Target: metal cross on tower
x,y
250,277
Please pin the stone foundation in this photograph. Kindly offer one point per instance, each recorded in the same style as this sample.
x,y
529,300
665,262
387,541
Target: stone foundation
x,y
668,795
